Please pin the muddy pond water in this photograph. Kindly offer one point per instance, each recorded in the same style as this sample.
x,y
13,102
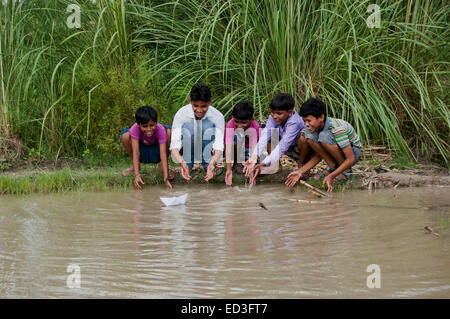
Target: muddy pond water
x,y
222,244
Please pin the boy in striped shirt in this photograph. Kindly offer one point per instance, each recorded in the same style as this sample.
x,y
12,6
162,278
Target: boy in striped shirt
x,y
333,140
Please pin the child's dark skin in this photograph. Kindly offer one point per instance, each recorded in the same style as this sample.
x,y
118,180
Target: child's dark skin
x,y
251,169
132,147
244,125
331,154
199,108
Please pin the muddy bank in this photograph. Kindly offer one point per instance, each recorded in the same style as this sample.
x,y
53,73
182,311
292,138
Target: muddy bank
x,y
68,175
359,180
409,180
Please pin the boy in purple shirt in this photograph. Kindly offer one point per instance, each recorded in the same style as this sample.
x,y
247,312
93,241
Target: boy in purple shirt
x,y
146,142
241,126
289,124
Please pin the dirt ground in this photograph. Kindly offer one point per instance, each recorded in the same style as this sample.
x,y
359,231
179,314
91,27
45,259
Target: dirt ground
x,y
373,171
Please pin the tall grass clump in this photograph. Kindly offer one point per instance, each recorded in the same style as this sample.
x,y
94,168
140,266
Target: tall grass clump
x,y
63,90
390,82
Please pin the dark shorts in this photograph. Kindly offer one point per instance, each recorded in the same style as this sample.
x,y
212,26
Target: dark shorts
x,y
148,153
328,138
293,151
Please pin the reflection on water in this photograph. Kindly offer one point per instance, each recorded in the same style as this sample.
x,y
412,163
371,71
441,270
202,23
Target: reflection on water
x,y
222,244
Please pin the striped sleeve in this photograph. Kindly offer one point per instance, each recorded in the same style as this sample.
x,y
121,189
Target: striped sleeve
x,y
341,137
345,133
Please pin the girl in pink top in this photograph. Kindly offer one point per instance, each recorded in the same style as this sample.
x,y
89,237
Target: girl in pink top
x,y
147,142
241,129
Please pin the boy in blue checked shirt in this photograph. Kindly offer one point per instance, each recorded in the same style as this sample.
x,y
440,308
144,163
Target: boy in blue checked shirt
x,y
333,140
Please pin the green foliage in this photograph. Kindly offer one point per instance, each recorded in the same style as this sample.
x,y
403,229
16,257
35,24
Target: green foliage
x,y
104,106
95,159
63,90
63,181
388,82
337,186
402,162
4,165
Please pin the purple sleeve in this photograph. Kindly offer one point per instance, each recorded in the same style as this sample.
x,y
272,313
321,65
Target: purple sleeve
x,y
265,136
285,141
135,132
256,127
161,134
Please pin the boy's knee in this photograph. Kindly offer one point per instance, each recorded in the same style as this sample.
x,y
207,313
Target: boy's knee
x,y
301,141
311,142
328,145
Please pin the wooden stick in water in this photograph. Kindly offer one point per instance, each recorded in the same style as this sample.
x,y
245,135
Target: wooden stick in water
x,y
315,189
313,192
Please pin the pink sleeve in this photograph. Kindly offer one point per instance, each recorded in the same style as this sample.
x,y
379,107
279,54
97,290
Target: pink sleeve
x,y
135,132
161,134
229,132
256,126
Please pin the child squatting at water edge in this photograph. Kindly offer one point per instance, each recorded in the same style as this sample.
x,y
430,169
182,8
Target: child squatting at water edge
x,y
197,136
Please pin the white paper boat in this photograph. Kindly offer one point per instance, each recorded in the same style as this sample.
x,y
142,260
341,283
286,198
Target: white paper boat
x,y
171,201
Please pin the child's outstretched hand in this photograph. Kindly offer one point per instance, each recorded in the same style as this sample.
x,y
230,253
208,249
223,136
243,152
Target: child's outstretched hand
x,y
167,183
252,175
249,166
293,178
229,177
327,180
210,172
184,170
138,180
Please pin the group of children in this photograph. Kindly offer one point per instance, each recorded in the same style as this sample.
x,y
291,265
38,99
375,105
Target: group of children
x,y
198,134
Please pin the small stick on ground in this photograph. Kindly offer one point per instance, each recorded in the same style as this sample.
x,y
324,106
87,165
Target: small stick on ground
x,y
315,189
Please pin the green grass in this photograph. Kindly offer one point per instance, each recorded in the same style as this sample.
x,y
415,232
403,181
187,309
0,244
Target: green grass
x,y
402,162
67,180
337,187
64,91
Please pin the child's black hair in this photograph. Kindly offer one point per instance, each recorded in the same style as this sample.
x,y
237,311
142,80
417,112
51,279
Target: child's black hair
x,y
282,102
243,111
314,107
200,92
146,113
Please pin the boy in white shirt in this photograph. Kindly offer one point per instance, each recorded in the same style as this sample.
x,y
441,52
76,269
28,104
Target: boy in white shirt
x,y
198,133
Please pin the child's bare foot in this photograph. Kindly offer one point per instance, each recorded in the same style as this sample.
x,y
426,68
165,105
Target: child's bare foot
x,y
322,174
128,171
239,168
